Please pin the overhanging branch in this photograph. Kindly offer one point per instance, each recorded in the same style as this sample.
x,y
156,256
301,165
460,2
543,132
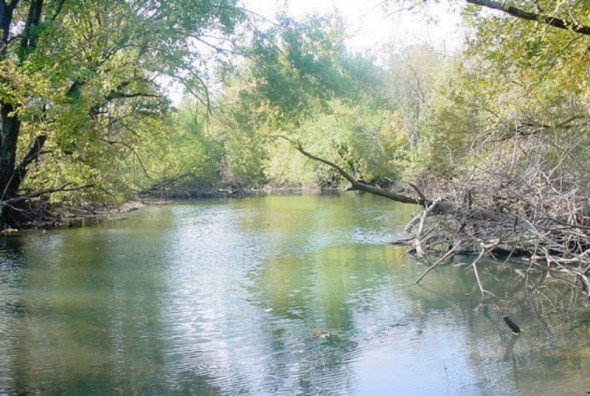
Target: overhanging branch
x,y
531,16
63,188
356,184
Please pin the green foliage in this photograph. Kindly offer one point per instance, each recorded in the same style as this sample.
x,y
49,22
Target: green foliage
x,y
544,60
180,152
365,141
86,76
520,85
301,83
298,67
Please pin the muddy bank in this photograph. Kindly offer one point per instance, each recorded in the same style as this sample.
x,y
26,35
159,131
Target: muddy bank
x,y
68,216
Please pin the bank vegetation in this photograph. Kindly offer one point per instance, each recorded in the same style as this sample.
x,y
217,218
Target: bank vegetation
x,y
492,141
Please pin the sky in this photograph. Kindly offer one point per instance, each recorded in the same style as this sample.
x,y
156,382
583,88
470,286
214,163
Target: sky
x,y
371,26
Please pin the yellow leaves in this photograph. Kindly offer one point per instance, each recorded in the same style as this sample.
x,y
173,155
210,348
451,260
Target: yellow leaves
x,y
21,81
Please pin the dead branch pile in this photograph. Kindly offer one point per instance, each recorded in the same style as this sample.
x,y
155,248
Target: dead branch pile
x,y
524,198
525,205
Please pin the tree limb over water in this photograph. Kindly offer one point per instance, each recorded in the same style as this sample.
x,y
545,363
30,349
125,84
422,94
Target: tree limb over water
x,y
15,202
361,186
531,16
496,220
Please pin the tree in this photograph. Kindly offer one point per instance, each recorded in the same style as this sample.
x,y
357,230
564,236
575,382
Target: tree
x,y
76,74
297,67
299,81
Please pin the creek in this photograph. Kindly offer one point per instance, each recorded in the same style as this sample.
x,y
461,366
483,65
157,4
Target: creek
x,y
275,295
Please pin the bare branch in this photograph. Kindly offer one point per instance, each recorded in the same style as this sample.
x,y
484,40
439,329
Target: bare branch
x,y
63,188
447,255
356,184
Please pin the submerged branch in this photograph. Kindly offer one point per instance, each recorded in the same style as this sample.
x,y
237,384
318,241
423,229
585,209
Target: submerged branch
x,y
444,257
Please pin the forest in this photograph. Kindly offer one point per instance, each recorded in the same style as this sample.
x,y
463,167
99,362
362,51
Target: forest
x,y
492,141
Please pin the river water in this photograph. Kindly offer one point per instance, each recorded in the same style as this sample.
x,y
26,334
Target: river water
x,y
276,295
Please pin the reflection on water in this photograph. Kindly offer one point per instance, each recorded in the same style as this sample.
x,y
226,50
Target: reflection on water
x,y
274,295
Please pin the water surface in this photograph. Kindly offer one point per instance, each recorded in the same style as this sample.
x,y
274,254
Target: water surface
x,y
279,295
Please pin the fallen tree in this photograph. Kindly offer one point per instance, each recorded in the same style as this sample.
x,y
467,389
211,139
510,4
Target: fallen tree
x,y
540,216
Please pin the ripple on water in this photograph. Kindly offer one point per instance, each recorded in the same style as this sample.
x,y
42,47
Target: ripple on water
x,y
264,297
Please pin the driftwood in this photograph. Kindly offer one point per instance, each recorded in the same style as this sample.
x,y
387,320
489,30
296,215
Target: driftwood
x,y
544,220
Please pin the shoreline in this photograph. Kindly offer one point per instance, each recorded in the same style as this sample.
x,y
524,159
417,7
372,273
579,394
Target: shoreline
x,y
70,216
79,216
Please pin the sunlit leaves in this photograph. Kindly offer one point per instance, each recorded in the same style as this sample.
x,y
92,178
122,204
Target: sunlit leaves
x,y
90,81
533,52
299,66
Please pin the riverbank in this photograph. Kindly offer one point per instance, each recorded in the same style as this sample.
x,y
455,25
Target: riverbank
x,y
46,216
71,216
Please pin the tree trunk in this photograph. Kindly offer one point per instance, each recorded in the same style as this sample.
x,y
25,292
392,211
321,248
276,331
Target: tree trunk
x,y
11,173
30,33
8,146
